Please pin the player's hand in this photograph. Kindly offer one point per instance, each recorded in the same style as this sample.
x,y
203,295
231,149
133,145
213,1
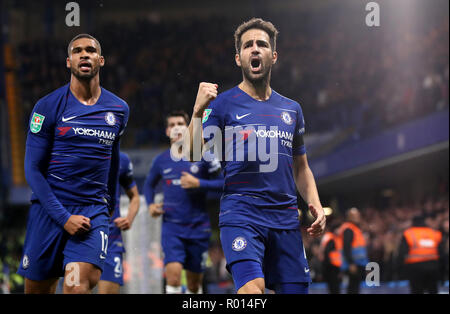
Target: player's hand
x,y
155,210
123,223
318,226
77,224
188,181
206,93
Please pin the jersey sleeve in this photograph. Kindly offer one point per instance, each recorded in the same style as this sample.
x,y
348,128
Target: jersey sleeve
x,y
214,181
42,122
126,114
37,155
212,163
151,181
212,119
126,178
113,177
298,145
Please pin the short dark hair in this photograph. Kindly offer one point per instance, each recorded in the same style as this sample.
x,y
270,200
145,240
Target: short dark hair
x,y
178,113
69,47
257,23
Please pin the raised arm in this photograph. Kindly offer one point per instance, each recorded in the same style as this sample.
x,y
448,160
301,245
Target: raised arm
x,y
206,93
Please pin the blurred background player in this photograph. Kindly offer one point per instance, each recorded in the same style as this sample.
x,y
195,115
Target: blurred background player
x,y
112,275
420,253
186,226
71,165
330,254
354,251
258,220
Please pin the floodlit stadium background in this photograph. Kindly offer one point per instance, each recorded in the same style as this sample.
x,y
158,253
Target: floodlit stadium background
x,y
375,101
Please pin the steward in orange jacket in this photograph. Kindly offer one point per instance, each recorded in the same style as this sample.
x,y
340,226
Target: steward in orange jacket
x,y
420,254
354,251
330,248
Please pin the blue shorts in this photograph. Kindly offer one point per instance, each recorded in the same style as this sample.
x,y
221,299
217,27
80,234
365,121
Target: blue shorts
x,y
113,268
191,253
279,252
48,248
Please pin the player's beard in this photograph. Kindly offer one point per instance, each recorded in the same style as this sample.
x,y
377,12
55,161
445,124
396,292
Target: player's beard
x,y
85,76
257,79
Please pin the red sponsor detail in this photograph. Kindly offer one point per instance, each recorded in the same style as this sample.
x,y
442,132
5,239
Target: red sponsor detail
x,y
245,134
64,130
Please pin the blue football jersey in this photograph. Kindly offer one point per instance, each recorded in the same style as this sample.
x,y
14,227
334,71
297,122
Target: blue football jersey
x,y
80,140
126,181
256,141
184,209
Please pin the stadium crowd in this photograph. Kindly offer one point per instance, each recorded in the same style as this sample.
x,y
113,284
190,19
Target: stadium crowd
x,y
383,229
344,76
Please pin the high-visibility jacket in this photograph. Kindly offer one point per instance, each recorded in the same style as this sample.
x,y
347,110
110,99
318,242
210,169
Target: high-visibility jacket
x,y
359,250
423,243
335,255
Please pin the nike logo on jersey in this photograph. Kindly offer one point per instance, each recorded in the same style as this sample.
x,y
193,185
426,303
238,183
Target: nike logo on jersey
x,y
102,256
68,119
167,170
306,270
243,116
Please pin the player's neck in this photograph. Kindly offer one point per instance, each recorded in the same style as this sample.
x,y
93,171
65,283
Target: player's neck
x,y
259,91
86,91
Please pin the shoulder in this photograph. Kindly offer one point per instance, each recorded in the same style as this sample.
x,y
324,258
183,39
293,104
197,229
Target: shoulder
x,y
347,227
48,102
161,157
226,96
115,100
289,103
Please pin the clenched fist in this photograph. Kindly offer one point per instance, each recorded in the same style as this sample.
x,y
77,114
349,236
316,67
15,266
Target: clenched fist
x,y
206,93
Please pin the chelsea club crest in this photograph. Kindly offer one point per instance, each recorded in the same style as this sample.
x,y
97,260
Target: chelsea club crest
x,y
239,244
286,117
194,168
110,118
25,262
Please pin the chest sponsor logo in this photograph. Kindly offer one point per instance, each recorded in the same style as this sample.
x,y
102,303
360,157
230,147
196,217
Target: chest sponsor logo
x,y
104,137
173,182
